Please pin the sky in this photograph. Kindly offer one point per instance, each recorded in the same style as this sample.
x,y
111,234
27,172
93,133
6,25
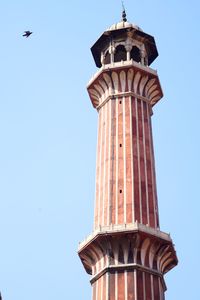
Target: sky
x,y
48,133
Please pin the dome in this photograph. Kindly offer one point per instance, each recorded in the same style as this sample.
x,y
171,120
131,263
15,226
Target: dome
x,y
122,24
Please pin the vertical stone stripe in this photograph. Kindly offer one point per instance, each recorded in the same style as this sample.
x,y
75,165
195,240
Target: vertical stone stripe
x,y
109,161
104,286
142,167
102,167
100,164
149,167
117,162
113,164
135,161
103,164
138,161
97,289
152,288
152,171
131,160
131,285
111,286
116,286
162,295
156,288
135,285
152,166
144,285
107,286
125,285
121,291
140,291
129,163
145,159
106,165
97,173
154,176
94,291
148,286
120,164
124,116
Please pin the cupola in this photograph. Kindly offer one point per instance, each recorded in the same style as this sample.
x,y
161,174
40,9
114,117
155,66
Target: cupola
x,y
124,41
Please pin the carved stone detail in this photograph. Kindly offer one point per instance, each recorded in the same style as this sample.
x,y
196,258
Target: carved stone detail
x,y
130,80
134,249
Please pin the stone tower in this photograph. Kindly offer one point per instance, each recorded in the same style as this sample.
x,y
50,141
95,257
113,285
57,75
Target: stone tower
x,y
127,254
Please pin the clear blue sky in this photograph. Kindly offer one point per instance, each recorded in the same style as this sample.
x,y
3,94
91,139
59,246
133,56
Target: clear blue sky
x,y
48,140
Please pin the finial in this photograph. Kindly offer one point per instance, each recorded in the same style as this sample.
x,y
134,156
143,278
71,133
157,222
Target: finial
x,y
124,19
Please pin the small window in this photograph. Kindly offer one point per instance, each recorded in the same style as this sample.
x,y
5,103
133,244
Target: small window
x,y
120,145
120,53
135,54
120,191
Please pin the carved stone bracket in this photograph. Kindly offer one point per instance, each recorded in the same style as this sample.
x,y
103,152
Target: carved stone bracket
x,y
150,250
133,78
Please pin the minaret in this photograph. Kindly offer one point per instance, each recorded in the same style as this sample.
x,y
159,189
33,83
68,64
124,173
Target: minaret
x,y
127,254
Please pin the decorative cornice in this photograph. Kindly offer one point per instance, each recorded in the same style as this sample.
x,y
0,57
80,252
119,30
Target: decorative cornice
x,y
120,79
121,65
127,246
125,228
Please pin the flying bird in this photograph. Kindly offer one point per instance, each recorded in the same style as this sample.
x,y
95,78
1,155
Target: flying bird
x,y
27,33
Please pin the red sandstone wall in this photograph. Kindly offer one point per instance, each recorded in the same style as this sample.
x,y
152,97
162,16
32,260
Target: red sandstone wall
x,y
125,172
128,285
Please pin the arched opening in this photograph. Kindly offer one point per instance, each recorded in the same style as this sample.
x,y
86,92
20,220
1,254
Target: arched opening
x,y
120,53
107,58
135,54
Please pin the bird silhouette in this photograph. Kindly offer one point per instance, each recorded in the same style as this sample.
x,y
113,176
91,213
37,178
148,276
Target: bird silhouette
x,y
27,33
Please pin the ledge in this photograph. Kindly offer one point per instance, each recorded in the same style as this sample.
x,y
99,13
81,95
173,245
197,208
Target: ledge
x,y
128,267
120,65
124,228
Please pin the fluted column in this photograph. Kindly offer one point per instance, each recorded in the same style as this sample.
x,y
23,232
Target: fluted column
x,y
125,172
